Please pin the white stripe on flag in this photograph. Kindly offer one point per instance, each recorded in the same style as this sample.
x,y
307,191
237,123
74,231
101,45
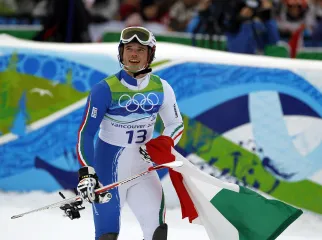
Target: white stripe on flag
x,y
189,169
216,225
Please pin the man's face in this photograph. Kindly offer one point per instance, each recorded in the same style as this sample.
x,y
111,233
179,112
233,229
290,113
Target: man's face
x,y
135,56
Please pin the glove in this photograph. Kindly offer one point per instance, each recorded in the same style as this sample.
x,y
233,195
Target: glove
x,y
88,182
158,150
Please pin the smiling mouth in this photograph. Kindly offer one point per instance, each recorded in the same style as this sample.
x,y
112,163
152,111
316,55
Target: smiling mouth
x,y
134,61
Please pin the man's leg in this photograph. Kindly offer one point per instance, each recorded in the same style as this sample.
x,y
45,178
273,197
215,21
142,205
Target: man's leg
x,y
107,219
146,200
107,215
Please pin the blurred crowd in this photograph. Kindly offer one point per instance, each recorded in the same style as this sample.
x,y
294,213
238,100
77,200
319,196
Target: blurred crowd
x,y
248,25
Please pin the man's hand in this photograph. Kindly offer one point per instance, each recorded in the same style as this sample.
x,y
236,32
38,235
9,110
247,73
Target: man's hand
x,y
88,182
144,154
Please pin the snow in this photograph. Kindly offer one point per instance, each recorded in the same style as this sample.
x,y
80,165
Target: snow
x,y
52,225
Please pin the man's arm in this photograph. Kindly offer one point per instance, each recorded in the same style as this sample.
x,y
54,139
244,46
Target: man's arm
x,y
170,114
98,102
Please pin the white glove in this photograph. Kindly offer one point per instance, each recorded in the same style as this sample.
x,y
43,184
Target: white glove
x,y
88,182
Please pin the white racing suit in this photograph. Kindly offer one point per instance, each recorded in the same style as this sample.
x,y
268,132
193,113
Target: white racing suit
x,y
125,109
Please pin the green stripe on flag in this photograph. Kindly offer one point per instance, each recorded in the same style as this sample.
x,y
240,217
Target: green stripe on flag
x,y
254,216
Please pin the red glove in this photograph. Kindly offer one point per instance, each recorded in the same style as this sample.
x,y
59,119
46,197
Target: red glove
x,y
159,149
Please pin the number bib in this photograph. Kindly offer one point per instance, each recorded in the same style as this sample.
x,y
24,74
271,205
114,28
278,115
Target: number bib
x,y
130,119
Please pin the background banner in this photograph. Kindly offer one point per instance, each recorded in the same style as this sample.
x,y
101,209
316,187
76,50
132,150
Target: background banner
x,y
252,120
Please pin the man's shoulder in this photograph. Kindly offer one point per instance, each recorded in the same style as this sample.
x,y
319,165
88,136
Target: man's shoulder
x,y
112,80
154,76
111,77
101,86
166,86
158,79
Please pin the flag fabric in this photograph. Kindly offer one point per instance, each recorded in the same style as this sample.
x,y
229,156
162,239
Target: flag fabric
x,y
296,41
228,211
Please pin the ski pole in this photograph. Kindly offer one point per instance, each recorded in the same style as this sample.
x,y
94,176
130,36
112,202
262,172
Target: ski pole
x,y
103,189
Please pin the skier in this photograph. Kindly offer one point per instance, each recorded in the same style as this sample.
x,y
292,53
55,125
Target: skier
x,y
125,107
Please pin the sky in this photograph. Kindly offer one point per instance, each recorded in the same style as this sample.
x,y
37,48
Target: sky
x,y
52,224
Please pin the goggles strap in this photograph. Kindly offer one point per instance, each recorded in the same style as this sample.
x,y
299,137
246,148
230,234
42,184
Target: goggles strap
x,y
144,71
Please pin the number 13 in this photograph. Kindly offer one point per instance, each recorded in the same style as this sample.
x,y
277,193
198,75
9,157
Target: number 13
x,y
141,136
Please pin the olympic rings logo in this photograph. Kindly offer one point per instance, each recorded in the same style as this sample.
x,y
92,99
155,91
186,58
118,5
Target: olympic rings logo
x,y
138,100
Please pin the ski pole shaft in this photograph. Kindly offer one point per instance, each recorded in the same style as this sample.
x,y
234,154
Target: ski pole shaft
x,y
153,168
54,205
102,189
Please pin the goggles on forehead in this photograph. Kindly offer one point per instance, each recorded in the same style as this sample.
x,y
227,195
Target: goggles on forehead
x,y
141,34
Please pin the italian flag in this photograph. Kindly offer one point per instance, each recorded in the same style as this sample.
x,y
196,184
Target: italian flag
x,y
228,211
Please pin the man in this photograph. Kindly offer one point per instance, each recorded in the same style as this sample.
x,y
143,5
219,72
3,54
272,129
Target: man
x,y
125,106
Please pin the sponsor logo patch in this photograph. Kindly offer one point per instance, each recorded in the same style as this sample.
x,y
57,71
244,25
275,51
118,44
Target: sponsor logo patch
x,y
94,112
175,110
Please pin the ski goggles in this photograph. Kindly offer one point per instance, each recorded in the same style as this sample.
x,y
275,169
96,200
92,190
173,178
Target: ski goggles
x,y
141,34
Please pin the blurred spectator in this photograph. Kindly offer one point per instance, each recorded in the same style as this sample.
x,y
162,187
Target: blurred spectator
x,y
204,18
317,28
256,28
135,19
277,7
129,7
317,9
96,10
156,10
294,14
130,13
248,24
181,13
65,21
149,10
102,10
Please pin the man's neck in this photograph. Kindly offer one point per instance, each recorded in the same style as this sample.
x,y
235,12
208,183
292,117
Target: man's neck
x,y
137,77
